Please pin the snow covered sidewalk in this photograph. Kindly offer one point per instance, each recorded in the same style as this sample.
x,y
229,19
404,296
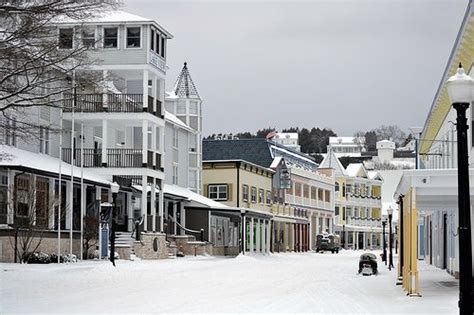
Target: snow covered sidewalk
x,y
282,283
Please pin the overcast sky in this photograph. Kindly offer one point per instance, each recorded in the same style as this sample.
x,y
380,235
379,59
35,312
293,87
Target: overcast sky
x,y
347,65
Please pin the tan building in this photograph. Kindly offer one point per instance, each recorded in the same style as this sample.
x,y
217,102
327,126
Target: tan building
x,y
247,186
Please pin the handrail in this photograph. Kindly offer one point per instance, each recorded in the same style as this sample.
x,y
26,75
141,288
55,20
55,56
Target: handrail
x,y
201,232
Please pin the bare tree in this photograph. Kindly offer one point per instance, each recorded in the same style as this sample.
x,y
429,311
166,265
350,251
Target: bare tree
x,y
33,208
34,70
91,233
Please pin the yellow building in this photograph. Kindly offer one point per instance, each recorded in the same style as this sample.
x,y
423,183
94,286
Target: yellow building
x,y
247,186
357,204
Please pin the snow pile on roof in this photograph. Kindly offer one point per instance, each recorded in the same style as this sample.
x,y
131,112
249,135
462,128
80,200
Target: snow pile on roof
x,y
346,140
192,196
175,120
11,156
354,170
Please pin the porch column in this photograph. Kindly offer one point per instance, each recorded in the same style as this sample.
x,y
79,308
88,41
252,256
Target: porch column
x,y
145,143
153,148
153,93
301,242
144,212
131,219
68,206
251,235
264,236
183,217
311,227
244,234
161,205
269,233
153,204
258,236
175,208
145,90
316,219
104,142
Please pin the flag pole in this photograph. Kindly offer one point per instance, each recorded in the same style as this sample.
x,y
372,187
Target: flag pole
x,y
82,188
71,192
59,184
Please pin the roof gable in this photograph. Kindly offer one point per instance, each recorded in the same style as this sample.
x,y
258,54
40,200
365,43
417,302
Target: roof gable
x,y
331,161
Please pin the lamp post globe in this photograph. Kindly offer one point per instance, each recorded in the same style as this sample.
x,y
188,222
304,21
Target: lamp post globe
x,y
460,90
390,238
114,187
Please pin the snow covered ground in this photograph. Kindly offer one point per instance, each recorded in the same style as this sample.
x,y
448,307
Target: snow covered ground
x,y
281,283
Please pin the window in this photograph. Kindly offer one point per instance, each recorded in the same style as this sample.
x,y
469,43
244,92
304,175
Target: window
x,y
297,189
42,201
306,191
175,137
65,38
3,198
343,190
192,143
10,134
245,192
181,108
193,108
253,194
110,37
327,196
157,46
314,192
88,37
22,190
175,174
152,40
163,47
44,140
192,178
217,192
133,37
261,196
268,197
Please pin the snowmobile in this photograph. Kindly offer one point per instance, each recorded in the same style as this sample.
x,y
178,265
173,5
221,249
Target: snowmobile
x,y
368,264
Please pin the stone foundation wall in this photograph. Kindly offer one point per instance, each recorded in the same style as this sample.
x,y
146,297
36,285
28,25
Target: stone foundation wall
x,y
226,251
123,251
151,246
48,244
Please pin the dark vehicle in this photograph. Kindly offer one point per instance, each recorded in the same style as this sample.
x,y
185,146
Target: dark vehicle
x,y
327,242
368,264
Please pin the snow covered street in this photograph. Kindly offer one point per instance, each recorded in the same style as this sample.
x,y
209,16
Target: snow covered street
x,y
283,283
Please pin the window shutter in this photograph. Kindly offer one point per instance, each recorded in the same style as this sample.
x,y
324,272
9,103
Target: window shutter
x,y
205,190
229,192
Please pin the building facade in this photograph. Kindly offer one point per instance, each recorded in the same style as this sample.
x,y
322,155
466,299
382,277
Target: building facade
x,y
427,197
358,205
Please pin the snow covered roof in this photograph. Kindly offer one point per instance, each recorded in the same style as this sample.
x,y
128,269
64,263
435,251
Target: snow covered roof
x,y
331,161
287,135
176,121
14,157
194,197
356,170
345,140
114,17
374,175
184,86
276,162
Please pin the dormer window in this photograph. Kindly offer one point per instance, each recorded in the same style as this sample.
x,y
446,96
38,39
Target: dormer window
x,y
65,38
133,37
110,37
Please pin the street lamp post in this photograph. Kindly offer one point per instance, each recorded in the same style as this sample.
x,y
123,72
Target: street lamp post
x,y
115,189
460,89
344,236
390,238
384,244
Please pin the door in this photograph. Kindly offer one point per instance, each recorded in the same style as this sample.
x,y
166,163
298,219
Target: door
x,y
361,240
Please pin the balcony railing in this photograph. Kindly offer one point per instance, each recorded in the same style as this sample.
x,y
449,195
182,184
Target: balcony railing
x,y
92,157
365,222
109,102
121,157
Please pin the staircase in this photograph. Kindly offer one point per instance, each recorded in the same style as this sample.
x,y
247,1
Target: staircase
x,y
125,240
172,249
